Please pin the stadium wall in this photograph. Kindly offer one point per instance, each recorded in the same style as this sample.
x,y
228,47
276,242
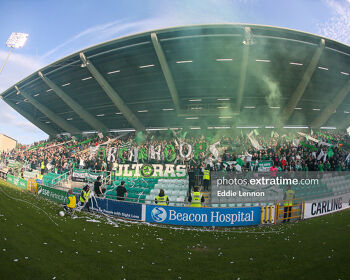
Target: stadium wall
x,y
7,143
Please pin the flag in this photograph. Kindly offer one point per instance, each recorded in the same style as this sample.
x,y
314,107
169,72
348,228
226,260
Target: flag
x,y
348,157
272,133
320,155
254,142
330,152
139,139
296,142
256,132
125,145
240,161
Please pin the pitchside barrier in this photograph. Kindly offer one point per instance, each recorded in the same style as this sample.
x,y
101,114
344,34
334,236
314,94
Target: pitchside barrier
x,y
203,216
19,182
285,212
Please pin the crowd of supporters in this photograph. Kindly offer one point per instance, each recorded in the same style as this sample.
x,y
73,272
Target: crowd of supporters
x,y
288,152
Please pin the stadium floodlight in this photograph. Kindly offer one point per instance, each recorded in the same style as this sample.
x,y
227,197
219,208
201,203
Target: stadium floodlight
x,y
15,41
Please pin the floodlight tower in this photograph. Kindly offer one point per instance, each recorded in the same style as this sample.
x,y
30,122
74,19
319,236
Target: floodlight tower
x,y
15,41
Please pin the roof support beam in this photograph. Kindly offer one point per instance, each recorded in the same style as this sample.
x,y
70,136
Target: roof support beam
x,y
47,129
331,107
166,71
78,109
112,94
244,67
299,91
51,115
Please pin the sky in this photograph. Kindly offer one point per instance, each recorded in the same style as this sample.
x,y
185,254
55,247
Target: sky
x,y
59,28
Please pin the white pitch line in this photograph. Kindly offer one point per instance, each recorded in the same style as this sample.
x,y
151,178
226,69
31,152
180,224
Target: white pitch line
x,y
28,203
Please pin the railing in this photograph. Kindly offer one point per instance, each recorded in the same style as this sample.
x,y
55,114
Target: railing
x,y
58,181
107,180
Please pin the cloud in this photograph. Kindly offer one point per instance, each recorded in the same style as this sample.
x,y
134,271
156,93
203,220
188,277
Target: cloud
x,y
11,123
338,26
18,67
165,15
17,127
101,33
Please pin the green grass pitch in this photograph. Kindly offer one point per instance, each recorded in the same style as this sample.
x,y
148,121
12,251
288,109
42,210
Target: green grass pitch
x,y
34,247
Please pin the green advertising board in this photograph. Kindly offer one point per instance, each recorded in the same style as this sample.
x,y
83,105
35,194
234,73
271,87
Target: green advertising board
x,y
52,194
19,182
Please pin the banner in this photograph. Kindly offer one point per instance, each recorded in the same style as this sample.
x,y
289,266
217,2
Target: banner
x,y
191,216
151,170
52,194
263,165
118,208
19,182
84,175
308,137
323,206
30,175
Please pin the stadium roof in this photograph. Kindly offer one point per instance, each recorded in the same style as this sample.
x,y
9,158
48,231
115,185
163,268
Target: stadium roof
x,y
219,76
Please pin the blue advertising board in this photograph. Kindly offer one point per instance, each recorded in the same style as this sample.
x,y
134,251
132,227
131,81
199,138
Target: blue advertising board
x,y
119,208
191,216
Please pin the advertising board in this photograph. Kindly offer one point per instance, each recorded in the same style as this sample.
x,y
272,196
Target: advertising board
x,y
191,216
323,206
52,194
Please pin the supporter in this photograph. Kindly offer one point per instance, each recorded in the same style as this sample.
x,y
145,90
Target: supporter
x,y
121,191
288,152
191,179
161,199
99,191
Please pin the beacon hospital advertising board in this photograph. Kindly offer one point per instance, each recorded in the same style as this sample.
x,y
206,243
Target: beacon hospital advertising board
x,y
187,216
328,205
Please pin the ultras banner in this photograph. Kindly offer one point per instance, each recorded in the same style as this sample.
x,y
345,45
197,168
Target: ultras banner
x,y
151,170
